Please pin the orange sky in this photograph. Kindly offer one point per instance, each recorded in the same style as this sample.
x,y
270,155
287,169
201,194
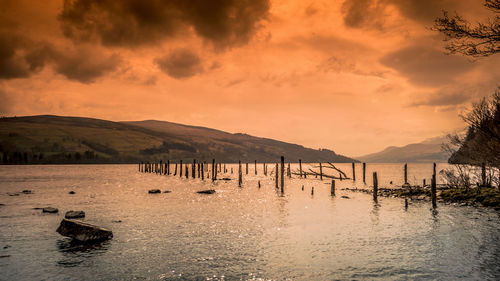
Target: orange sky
x,y
352,76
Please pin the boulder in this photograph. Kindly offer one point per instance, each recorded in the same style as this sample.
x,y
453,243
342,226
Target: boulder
x,y
74,214
83,232
208,191
153,191
50,210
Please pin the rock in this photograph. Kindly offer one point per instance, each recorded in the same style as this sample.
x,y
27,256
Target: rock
x,y
153,191
50,210
74,214
345,197
83,232
167,191
225,179
1,204
71,192
4,256
208,191
27,191
116,221
37,208
13,194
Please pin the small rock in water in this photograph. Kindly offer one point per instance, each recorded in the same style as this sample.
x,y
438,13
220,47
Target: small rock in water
x,y
27,191
83,232
167,191
71,192
153,191
345,197
13,194
116,221
50,210
209,191
4,256
226,179
74,214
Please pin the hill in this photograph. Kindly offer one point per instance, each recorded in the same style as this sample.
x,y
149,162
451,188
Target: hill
x,y
424,152
57,139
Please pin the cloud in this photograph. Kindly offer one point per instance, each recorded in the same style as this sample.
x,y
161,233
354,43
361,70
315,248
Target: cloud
x,y
180,64
128,23
444,98
6,104
427,66
85,64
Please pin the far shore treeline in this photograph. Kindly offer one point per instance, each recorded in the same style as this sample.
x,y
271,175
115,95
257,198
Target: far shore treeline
x,y
49,139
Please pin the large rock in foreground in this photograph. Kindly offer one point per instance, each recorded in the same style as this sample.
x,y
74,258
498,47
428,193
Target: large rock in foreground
x,y
83,232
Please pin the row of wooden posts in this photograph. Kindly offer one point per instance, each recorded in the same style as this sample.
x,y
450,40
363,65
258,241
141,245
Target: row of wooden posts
x,y
202,167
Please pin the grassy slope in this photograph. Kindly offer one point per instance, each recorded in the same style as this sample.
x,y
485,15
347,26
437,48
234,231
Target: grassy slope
x,y
56,137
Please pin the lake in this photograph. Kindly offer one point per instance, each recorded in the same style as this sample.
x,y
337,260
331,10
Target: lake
x,y
237,233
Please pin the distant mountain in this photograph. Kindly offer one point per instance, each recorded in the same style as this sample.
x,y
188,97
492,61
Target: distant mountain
x,y
57,139
426,151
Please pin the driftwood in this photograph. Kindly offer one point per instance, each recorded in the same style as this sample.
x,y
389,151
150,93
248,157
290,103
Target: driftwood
x,y
311,172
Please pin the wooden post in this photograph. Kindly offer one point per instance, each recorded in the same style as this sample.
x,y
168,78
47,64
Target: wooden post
x,y
180,169
258,183
423,183
312,190
240,174
194,169
213,169
406,203
246,169
277,173
231,170
225,168
433,168
332,192
161,167
175,171
300,167
168,167
282,173
215,177
375,186
202,172
364,172
406,173
187,171
199,169
433,191
353,172
289,171
483,174
320,172
139,167
255,166
264,168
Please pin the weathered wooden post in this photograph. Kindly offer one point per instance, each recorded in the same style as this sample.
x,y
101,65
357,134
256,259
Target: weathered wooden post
x,y
483,174
161,167
300,167
231,170
282,173
320,171
406,173
364,172
202,171
175,170
312,190
193,169
246,169
187,171
433,168
180,169
215,177
332,192
225,171
213,169
168,167
240,174
199,169
139,167
258,183
423,183
433,191
406,203
375,186
255,166
353,172
277,173
264,167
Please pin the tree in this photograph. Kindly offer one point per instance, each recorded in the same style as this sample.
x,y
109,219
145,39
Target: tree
x,y
475,41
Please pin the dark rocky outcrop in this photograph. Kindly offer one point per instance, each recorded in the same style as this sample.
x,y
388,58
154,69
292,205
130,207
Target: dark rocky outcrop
x,y
83,232
50,210
208,191
154,191
74,214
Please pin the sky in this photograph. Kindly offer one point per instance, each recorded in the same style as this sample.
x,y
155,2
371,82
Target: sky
x,y
353,76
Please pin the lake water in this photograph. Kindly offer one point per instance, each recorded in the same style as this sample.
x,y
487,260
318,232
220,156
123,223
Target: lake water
x,y
238,233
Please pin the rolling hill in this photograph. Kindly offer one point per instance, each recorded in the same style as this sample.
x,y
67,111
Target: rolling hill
x,y
58,139
427,151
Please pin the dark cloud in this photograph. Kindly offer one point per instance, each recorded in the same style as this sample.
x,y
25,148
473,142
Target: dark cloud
x,y
427,66
372,13
337,65
131,22
85,65
180,64
444,98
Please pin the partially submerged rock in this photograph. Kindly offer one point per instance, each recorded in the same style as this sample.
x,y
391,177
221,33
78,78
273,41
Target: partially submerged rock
x,y
83,232
225,179
74,214
50,210
153,191
71,192
208,191
167,191
27,191
13,194
345,197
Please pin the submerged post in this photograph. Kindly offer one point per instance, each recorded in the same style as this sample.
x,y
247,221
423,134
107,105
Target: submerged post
x,y
213,169
255,164
202,172
353,172
433,191
168,167
180,169
187,171
240,176
364,172
406,173
375,186
320,171
194,169
300,167
282,173
246,169
277,175
289,171
332,192
175,171
483,174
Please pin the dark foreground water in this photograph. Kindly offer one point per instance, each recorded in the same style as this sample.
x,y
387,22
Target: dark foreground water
x,y
238,233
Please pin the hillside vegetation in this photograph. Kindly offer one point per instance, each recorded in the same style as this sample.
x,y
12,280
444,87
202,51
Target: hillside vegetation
x,y
56,139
